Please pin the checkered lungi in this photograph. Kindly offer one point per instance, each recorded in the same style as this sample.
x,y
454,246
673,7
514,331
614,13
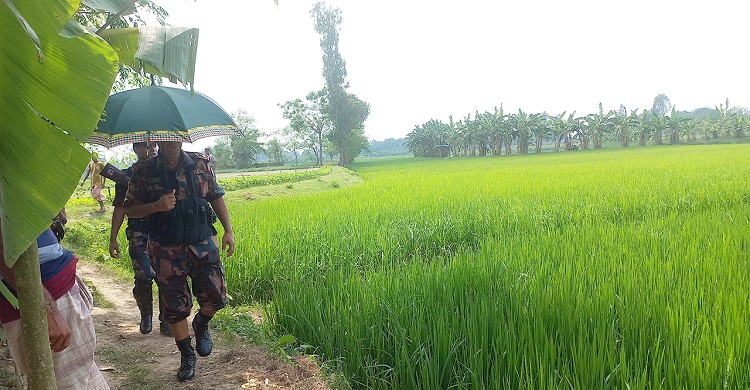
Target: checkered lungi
x,y
74,367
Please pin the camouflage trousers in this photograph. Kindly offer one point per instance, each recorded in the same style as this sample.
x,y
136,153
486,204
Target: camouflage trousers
x,y
137,244
173,266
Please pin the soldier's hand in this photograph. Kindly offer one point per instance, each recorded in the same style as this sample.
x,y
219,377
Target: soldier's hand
x,y
114,249
227,243
59,331
167,201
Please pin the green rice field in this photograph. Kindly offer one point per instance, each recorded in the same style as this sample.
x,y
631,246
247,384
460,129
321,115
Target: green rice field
x,y
624,268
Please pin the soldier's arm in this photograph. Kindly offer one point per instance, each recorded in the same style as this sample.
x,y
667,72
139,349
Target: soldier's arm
x,y
118,216
134,205
138,209
220,208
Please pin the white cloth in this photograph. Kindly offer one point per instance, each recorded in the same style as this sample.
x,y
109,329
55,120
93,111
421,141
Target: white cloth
x,y
75,368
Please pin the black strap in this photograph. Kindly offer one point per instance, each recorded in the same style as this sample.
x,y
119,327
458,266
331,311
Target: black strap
x,y
192,187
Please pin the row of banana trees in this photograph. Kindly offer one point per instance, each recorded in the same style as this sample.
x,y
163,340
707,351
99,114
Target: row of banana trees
x,y
491,133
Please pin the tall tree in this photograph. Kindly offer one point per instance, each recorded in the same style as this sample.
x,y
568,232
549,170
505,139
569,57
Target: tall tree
x,y
347,112
661,105
348,131
327,21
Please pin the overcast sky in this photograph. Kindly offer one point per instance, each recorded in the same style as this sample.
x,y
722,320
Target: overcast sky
x,y
413,61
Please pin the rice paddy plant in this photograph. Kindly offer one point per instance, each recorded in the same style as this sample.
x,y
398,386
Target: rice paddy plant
x,y
610,269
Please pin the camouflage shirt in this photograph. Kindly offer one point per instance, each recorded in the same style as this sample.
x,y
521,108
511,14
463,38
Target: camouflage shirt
x,y
150,179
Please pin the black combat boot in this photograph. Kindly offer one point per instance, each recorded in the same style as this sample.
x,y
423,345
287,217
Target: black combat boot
x,y
203,343
164,328
144,300
186,371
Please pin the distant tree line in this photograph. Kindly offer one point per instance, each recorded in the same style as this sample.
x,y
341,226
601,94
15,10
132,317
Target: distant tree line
x,y
495,133
387,147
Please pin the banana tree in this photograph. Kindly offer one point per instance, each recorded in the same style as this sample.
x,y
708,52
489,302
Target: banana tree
x,y
572,128
541,129
523,125
505,130
484,131
674,124
584,132
461,138
499,128
558,130
489,124
643,126
706,127
723,123
455,137
739,123
623,122
692,129
53,92
471,135
599,125
659,124
55,76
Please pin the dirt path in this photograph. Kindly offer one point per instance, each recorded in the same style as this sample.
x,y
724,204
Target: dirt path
x,y
131,360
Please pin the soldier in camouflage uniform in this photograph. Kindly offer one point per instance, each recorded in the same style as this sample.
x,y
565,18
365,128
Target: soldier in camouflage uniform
x,y
174,190
137,233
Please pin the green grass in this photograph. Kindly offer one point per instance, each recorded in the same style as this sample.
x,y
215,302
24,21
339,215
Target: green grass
x,y
622,268
335,178
139,375
88,236
241,182
239,320
618,268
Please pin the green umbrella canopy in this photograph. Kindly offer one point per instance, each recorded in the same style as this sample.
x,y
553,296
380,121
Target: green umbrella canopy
x,y
160,113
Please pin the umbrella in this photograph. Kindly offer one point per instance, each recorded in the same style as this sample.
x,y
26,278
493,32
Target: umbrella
x,y
159,113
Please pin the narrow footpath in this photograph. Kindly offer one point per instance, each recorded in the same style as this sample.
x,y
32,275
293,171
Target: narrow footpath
x,y
132,360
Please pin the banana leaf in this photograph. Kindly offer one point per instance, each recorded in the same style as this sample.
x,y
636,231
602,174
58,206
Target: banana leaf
x,y
143,49
53,91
